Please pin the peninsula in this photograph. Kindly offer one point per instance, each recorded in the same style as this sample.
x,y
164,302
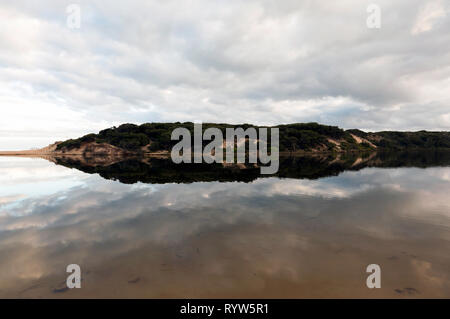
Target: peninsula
x,y
154,139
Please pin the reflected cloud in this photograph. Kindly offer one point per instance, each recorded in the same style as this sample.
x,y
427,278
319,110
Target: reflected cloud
x,y
268,238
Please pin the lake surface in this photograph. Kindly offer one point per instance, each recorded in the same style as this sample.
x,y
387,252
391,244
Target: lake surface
x,y
271,237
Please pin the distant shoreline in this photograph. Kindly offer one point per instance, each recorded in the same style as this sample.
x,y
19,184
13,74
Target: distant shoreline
x,y
23,153
154,139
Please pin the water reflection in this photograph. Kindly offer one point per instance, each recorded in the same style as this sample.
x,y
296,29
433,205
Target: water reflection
x,y
268,237
163,170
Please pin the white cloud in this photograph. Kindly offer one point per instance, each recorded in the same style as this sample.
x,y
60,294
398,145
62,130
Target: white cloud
x,y
261,62
429,14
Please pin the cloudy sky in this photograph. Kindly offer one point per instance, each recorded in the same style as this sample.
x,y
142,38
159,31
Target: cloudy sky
x,y
262,62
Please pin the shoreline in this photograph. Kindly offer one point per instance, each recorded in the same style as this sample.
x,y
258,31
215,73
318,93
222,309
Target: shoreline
x,y
162,153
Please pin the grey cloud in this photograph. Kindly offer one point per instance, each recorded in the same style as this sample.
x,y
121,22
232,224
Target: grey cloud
x,y
233,61
175,233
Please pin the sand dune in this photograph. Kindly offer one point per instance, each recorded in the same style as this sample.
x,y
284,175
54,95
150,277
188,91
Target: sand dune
x,y
43,151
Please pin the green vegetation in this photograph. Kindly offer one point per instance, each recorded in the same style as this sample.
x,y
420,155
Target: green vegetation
x,y
293,138
406,140
421,139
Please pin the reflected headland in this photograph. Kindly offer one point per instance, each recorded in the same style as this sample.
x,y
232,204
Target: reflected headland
x,y
192,233
161,169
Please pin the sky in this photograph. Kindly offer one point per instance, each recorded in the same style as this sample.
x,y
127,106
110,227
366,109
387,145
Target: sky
x,y
261,62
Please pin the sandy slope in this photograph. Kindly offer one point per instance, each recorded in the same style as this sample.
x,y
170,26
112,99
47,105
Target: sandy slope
x,y
43,151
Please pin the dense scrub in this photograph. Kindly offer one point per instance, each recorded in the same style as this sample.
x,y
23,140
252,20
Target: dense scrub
x,y
293,137
421,139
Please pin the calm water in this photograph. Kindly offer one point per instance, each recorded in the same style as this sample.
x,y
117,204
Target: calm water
x,y
270,237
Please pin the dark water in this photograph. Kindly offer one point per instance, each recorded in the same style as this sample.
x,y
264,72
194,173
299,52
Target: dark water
x,y
151,231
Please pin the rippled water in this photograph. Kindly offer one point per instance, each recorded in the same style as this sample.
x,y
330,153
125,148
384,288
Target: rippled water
x,y
269,238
